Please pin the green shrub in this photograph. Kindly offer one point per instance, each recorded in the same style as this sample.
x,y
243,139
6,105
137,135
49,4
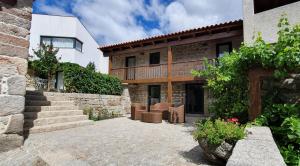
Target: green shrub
x,y
81,80
100,114
228,81
284,121
218,131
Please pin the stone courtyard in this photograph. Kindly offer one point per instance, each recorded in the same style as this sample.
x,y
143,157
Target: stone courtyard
x,y
114,142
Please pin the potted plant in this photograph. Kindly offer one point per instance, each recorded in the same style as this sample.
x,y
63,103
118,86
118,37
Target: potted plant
x,y
218,137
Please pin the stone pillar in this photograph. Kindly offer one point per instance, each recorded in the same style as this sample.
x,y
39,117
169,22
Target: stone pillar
x,y
15,22
125,99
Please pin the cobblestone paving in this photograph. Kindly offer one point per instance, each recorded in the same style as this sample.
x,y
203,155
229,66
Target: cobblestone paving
x,y
118,142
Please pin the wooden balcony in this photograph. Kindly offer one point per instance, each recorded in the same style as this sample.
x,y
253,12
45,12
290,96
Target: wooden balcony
x,y
180,71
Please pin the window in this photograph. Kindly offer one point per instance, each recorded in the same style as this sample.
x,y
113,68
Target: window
x,y
154,58
263,5
62,42
223,48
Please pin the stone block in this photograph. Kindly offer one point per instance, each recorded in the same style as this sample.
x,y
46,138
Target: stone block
x,y
16,85
11,104
14,20
258,149
7,69
13,51
17,12
20,63
10,141
12,40
3,123
15,124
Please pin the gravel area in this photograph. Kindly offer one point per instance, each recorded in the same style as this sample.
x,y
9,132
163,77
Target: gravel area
x,y
118,142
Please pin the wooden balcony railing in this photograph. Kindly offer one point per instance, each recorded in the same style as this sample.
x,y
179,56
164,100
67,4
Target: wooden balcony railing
x,y
141,72
179,69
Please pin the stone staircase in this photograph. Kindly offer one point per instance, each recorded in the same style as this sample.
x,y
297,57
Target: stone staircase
x,y
48,113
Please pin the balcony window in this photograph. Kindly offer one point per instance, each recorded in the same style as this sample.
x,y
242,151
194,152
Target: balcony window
x,y
223,48
62,42
154,58
264,5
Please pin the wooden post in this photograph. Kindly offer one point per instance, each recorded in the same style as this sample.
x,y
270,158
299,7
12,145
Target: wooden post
x,y
170,60
110,65
255,76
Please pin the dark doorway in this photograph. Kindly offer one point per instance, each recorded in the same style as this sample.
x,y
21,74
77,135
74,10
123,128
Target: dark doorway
x,y
153,95
130,64
194,99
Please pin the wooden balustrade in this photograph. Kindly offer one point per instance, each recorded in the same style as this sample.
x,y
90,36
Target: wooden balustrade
x,y
179,69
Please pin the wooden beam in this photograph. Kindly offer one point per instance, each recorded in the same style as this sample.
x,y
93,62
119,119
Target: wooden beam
x,y
170,61
110,65
146,81
217,36
255,76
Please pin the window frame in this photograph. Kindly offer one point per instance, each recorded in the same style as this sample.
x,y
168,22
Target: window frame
x,y
223,44
73,38
151,59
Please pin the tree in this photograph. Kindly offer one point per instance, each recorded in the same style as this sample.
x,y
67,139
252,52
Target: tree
x,y
91,66
47,62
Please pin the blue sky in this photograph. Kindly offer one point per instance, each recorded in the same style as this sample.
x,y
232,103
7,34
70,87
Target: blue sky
x,y
114,21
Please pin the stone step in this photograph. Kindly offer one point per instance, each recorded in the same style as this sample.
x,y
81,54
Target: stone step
x,y
48,114
46,98
48,103
57,126
49,108
36,93
53,120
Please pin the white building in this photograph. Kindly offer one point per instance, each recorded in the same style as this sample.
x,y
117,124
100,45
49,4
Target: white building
x,y
75,43
263,16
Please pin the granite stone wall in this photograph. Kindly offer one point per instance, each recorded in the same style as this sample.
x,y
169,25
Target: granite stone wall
x,y
15,24
288,89
111,103
258,148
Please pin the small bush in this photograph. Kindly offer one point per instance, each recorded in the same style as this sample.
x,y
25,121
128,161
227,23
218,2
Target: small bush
x,y
100,114
218,131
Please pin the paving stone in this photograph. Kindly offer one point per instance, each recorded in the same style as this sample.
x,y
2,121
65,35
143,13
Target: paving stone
x,y
120,142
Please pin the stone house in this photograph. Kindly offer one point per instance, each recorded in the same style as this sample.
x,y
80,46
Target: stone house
x,y
158,69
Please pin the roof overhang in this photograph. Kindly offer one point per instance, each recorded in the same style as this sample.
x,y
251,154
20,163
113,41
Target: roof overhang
x,y
173,37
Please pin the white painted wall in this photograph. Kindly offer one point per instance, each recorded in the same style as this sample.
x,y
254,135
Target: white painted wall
x,y
62,26
266,21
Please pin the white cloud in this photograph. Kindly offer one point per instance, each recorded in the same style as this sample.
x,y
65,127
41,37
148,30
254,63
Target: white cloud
x,y
112,21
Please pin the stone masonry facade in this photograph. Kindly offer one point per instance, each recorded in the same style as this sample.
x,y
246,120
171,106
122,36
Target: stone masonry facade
x,y
181,53
15,22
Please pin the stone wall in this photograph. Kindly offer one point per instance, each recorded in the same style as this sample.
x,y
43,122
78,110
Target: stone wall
x,y
15,23
288,89
111,103
258,148
188,52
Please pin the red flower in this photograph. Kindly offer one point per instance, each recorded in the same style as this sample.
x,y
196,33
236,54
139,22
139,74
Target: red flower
x,y
233,120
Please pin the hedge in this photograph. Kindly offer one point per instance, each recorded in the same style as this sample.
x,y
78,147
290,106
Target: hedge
x,y
78,79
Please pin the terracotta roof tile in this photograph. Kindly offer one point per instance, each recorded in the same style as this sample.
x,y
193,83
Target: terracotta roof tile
x,y
170,34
